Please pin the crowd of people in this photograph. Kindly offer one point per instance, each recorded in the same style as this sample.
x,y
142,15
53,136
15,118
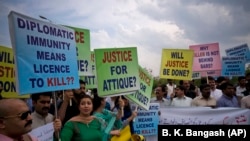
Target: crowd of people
x,y
77,115
211,93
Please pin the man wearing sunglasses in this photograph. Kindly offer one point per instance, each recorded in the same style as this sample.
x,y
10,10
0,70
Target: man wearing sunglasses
x,y
15,121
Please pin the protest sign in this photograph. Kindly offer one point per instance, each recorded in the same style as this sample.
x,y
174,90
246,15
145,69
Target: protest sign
x,y
233,66
82,38
7,74
91,81
241,50
146,122
117,71
142,97
45,55
176,64
206,57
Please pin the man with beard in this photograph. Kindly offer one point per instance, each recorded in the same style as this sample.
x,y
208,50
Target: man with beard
x,y
41,115
15,121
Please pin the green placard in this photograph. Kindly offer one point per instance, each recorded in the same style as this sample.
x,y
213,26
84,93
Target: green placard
x,y
117,71
142,96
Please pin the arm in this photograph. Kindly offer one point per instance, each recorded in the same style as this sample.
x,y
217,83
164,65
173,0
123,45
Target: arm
x,y
67,132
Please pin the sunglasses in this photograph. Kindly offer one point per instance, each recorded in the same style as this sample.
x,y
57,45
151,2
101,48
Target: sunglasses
x,y
22,116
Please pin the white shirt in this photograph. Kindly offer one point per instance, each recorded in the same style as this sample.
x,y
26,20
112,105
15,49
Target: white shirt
x,y
181,102
163,103
216,93
170,88
239,91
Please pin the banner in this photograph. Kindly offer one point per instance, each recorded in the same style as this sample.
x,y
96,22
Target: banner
x,y
204,116
206,57
176,64
233,66
45,55
142,97
7,74
117,71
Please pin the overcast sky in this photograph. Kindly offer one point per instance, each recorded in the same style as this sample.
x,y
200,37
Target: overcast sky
x,y
149,25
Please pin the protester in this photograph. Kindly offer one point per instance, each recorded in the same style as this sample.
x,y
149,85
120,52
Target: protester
x,y
188,91
68,108
170,88
84,126
204,100
82,89
241,87
181,100
128,114
159,97
41,115
245,102
112,119
214,92
15,121
228,99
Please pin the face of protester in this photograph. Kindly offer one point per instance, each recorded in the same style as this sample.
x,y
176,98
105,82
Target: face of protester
x,y
86,106
212,84
206,92
42,105
17,120
186,84
179,92
159,93
242,82
229,91
81,90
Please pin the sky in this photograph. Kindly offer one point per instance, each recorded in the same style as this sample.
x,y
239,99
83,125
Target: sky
x,y
149,25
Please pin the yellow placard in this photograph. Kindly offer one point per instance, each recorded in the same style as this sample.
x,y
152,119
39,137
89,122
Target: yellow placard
x,y
177,64
7,74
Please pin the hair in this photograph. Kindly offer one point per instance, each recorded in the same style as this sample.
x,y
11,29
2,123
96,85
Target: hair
x,y
204,80
36,96
241,78
225,85
181,87
127,107
82,97
82,82
181,82
220,79
210,78
163,87
97,101
203,86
